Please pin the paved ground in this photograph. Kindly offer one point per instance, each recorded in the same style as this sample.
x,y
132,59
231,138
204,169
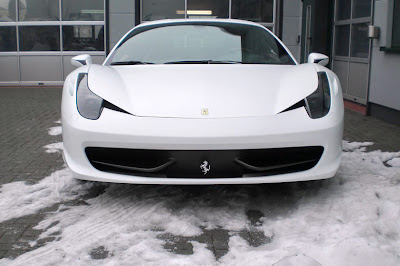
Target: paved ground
x,y
25,116
27,113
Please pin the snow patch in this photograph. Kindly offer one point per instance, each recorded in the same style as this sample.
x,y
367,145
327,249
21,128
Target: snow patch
x,y
54,147
55,131
394,162
351,219
352,146
18,199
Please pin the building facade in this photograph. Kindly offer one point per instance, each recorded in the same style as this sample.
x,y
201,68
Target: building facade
x,y
39,37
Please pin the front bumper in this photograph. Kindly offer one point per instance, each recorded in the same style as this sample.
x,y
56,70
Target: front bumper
x,y
119,130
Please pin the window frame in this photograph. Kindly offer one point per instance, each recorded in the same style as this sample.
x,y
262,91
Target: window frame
x,y
390,47
60,23
350,21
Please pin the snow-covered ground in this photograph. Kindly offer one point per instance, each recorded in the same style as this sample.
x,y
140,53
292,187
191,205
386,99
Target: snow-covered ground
x,y
351,219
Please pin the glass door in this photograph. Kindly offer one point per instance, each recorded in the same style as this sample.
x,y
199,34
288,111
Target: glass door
x,y
352,47
316,32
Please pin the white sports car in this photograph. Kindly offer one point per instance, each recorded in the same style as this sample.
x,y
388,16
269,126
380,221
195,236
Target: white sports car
x,y
202,102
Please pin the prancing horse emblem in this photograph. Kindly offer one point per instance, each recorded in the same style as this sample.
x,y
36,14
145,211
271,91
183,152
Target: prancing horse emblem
x,y
205,167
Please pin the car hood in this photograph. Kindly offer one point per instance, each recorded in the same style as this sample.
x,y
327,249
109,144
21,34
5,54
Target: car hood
x,y
186,91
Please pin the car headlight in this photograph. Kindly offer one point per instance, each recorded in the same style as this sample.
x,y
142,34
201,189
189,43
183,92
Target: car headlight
x,y
319,102
89,104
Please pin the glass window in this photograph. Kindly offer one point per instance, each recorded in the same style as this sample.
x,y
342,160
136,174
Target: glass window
x,y
39,38
342,38
202,43
254,10
359,40
8,39
83,38
208,8
396,25
361,8
39,10
7,10
343,8
162,9
83,10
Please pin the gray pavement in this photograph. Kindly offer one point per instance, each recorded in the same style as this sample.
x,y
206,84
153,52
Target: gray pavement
x,y
25,116
27,113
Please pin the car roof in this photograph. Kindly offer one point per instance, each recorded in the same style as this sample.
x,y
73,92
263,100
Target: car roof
x,y
188,20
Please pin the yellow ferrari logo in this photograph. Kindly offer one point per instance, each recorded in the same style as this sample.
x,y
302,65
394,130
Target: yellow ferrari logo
x,y
204,111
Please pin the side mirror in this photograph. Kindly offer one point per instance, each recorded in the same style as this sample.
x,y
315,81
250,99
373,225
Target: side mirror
x,y
317,58
81,60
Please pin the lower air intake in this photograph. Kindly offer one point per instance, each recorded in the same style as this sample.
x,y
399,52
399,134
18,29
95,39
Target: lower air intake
x,y
204,163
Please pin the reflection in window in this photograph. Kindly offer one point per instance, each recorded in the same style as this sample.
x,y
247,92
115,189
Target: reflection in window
x,y
342,38
254,10
83,38
208,8
162,9
361,8
7,10
343,8
39,38
83,10
8,39
359,40
38,10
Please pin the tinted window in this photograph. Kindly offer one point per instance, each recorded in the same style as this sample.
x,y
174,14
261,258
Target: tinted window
x,y
208,8
7,10
39,38
396,25
359,40
343,8
162,9
342,38
83,38
202,42
39,10
361,8
253,10
8,39
83,10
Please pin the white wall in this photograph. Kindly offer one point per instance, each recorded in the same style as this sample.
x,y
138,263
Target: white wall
x,y
384,88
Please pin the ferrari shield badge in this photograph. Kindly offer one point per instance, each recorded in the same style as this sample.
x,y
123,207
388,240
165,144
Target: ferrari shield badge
x,y
204,111
205,167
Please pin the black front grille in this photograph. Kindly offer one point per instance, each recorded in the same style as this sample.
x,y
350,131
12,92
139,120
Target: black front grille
x,y
221,163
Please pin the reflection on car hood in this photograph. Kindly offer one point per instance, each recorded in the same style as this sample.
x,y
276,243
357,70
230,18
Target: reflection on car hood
x,y
185,91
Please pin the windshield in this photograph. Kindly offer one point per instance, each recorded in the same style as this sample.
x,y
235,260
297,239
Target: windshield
x,y
204,42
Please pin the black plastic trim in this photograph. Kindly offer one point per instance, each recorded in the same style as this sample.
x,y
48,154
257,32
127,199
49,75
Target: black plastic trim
x,y
111,106
395,50
268,168
138,169
299,104
187,163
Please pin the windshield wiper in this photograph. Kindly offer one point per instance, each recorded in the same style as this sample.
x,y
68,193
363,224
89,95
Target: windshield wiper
x,y
126,63
204,62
